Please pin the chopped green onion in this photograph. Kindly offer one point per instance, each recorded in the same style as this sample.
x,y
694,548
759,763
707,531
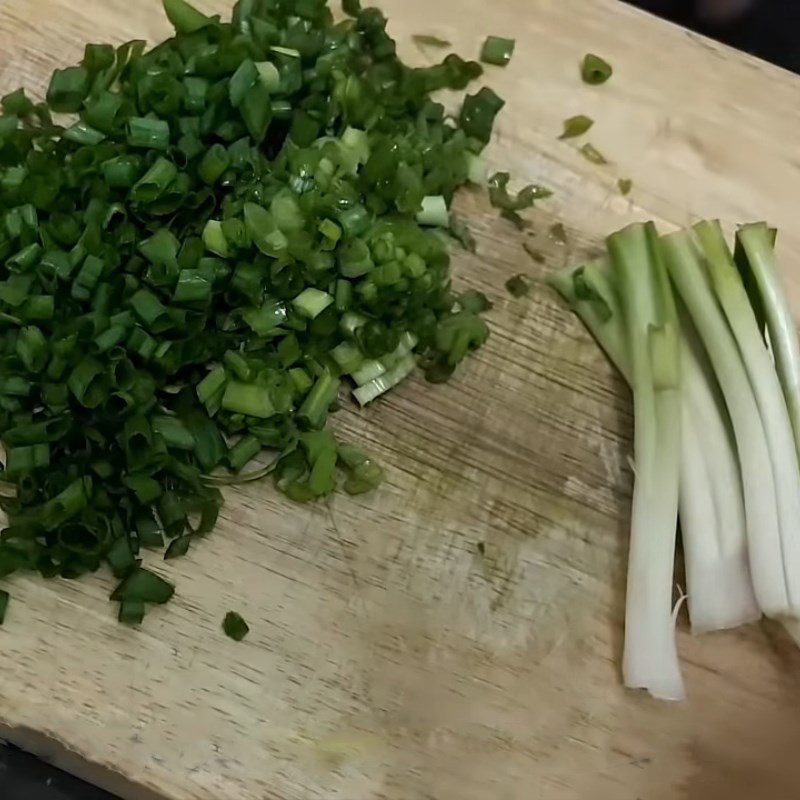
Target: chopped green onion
x,y
426,40
591,153
244,451
434,212
595,70
131,612
144,586
214,238
497,50
68,88
625,185
576,126
153,184
478,113
27,459
251,400
149,133
375,388
184,17
234,626
312,302
224,230
178,547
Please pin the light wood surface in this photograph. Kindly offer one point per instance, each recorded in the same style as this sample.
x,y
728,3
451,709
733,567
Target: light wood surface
x,y
388,656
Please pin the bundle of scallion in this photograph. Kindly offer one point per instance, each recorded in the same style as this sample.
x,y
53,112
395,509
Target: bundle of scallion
x,y
705,338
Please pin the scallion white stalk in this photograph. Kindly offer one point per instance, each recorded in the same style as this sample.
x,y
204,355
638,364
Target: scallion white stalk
x,y
756,240
711,507
761,513
650,659
768,393
719,585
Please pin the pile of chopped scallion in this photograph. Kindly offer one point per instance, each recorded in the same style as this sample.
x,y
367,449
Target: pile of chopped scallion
x,y
205,243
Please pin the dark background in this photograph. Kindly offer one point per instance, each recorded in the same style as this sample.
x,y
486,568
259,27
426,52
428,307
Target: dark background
x,y
769,30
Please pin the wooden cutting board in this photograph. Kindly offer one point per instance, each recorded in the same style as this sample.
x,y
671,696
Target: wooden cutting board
x,y
457,634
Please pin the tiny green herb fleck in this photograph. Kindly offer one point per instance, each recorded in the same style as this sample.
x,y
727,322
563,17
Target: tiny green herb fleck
x,y
625,185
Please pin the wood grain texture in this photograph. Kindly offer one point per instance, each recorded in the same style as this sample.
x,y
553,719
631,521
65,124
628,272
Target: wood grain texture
x,y
391,656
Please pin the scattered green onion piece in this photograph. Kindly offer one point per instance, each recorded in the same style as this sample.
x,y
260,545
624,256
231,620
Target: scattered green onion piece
x,y
576,126
478,113
434,212
595,70
234,626
497,50
591,153
625,185
500,197
426,40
